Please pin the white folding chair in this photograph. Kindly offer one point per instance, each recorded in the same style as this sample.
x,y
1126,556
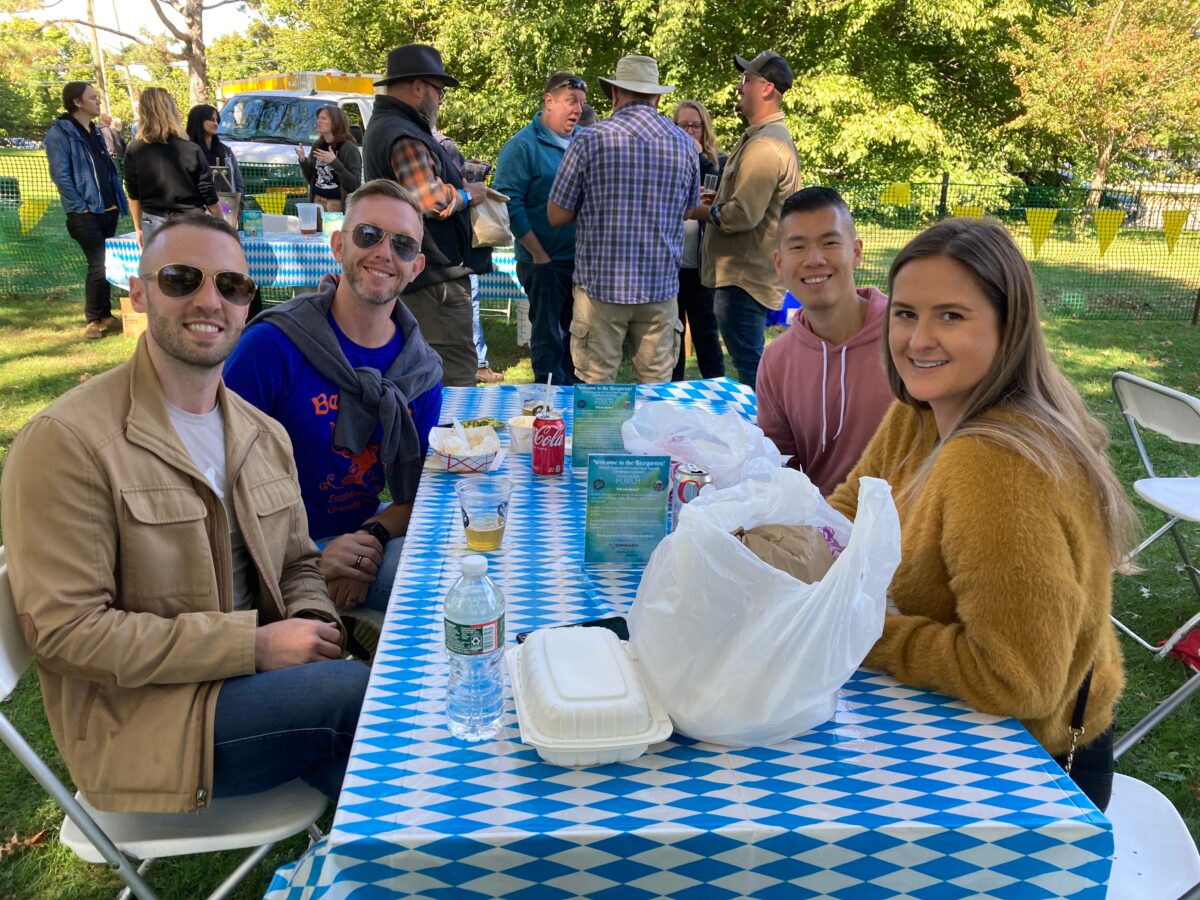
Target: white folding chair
x,y
1154,855
1174,415
120,839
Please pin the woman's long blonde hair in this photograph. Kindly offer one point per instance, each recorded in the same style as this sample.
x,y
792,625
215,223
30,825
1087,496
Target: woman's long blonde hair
x,y
708,140
158,117
1022,376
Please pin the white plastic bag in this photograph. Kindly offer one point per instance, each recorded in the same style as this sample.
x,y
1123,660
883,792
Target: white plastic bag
x,y
743,654
731,447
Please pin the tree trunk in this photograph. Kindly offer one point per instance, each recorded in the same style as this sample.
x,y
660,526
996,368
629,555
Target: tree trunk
x,y
197,59
1104,160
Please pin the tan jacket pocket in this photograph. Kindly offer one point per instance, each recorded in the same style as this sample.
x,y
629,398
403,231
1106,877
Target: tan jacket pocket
x,y
165,552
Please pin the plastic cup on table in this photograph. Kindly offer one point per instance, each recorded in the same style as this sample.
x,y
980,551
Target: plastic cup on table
x,y
484,501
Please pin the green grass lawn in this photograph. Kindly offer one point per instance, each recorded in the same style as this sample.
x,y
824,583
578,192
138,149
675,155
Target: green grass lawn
x,y
42,355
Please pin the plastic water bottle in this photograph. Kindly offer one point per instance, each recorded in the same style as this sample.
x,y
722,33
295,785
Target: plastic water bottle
x,y
474,625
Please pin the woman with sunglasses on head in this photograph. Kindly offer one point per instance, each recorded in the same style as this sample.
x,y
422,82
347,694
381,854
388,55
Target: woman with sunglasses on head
x,y
203,122
165,173
696,300
334,166
1011,517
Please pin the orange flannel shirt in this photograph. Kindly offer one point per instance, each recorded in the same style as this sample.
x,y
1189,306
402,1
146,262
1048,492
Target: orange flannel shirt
x,y
417,169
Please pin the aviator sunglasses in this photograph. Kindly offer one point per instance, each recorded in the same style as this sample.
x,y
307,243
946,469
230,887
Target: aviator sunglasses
x,y
179,280
366,236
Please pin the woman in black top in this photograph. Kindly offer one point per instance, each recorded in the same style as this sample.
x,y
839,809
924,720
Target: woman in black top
x,y
334,169
165,173
202,124
696,300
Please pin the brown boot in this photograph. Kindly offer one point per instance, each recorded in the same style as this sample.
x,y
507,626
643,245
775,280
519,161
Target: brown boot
x,y
101,328
485,375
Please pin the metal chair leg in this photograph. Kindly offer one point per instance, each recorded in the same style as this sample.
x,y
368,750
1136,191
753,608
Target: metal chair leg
x,y
1160,712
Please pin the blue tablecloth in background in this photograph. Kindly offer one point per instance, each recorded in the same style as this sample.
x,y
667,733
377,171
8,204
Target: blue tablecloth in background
x,y
281,259
904,793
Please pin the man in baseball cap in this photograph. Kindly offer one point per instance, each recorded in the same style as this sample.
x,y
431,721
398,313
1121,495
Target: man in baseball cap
x,y
743,215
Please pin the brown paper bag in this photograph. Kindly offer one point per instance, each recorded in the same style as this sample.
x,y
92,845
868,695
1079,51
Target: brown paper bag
x,y
798,550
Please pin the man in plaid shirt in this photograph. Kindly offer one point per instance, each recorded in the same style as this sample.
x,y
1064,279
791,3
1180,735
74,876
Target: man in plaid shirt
x,y
627,183
400,145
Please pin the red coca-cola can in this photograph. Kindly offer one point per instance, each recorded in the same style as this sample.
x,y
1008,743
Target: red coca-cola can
x,y
549,442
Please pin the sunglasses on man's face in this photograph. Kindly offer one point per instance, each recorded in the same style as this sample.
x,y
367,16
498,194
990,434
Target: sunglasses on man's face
x,y
574,83
366,236
179,280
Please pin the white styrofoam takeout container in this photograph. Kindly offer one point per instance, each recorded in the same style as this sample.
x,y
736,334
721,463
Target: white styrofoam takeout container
x,y
579,699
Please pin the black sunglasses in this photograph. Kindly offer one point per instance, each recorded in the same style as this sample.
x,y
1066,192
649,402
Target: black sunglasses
x,y
366,236
575,83
179,280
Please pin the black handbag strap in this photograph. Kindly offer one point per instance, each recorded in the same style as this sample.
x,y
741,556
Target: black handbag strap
x,y
1077,717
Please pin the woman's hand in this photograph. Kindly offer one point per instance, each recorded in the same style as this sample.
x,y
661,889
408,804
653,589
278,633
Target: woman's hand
x,y
325,156
300,153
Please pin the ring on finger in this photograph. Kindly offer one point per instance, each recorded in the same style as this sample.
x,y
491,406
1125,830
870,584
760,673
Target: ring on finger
x,y
358,561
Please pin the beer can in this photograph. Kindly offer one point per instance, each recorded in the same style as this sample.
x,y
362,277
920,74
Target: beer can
x,y
686,484
549,442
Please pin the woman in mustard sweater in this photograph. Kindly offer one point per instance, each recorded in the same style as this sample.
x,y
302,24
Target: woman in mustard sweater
x,y
1011,517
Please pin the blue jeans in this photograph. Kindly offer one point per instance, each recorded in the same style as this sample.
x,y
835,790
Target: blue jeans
x,y
273,727
743,321
380,590
551,306
476,326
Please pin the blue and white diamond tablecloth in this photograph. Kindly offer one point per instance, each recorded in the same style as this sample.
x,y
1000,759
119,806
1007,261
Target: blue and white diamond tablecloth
x,y
298,260
903,794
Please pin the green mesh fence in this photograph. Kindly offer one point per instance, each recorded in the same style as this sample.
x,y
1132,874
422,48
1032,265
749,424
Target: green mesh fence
x,y
1129,252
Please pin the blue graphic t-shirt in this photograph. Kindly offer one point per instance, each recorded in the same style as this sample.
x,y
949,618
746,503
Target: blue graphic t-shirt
x,y
340,489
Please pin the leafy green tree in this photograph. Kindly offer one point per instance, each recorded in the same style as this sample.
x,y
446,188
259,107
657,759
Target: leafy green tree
x,y
1113,82
35,62
884,90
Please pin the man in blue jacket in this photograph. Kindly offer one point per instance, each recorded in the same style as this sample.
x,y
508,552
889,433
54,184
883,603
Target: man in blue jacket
x,y
91,193
525,171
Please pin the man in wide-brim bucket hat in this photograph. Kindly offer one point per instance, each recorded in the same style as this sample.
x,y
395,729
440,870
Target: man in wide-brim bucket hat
x,y
638,75
629,181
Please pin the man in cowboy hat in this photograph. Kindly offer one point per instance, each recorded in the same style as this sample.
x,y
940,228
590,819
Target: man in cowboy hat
x,y
628,184
400,145
761,173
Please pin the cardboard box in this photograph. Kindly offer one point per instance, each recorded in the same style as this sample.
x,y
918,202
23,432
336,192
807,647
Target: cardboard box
x,y
132,323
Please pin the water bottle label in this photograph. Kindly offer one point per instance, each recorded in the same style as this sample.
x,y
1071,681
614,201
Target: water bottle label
x,y
471,640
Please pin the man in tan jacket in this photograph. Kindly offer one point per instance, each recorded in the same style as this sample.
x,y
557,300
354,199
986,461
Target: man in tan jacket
x,y
763,171
161,565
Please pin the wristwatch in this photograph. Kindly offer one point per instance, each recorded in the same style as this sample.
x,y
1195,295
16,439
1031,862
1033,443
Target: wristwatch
x,y
377,531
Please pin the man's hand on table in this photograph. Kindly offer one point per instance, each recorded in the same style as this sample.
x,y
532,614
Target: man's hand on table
x,y
294,642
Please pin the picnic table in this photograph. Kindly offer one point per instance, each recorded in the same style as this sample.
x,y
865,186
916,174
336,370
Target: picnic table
x,y
903,793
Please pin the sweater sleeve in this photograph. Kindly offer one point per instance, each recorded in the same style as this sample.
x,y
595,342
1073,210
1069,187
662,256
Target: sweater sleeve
x,y
347,165
132,183
512,180
772,417
1006,539
874,461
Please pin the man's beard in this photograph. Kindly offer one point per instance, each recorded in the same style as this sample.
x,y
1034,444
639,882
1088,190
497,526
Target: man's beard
x,y
376,298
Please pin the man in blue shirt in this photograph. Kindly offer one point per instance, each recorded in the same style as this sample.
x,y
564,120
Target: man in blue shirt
x,y
525,173
346,371
627,183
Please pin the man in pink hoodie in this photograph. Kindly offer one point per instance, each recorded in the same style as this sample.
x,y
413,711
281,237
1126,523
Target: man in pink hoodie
x,y
821,388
